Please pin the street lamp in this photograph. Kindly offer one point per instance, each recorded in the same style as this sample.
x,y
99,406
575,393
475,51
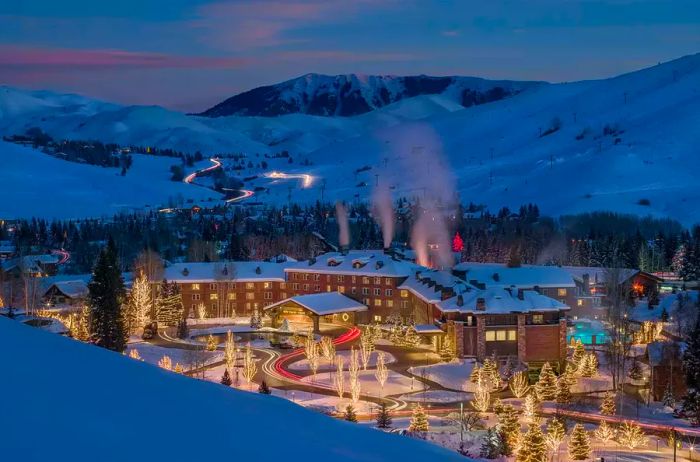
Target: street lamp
x,y
690,452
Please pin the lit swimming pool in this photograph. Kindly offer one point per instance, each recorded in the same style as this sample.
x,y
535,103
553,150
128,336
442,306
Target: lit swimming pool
x,y
588,331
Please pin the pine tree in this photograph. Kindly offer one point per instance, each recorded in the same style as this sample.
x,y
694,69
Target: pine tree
x,y
383,417
509,426
350,415
563,391
607,407
532,406
635,371
604,432
211,343
668,399
691,357
579,354
631,435
491,444
588,367
579,443
105,298
556,431
546,386
264,389
532,445
182,330
490,373
419,420
226,378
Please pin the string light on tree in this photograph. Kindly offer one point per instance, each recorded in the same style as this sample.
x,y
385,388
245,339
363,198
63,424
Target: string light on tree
x,y
631,435
419,420
249,366
519,384
339,377
166,363
381,372
579,443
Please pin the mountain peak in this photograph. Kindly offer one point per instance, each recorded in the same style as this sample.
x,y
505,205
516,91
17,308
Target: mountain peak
x,y
354,94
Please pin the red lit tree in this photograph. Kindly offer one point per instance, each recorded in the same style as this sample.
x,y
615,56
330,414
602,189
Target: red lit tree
x,y
457,243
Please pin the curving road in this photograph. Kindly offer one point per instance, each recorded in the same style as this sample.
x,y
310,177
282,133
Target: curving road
x,y
216,164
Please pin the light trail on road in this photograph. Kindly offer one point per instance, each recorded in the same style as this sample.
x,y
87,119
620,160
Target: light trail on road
x,y
64,254
189,178
306,179
246,193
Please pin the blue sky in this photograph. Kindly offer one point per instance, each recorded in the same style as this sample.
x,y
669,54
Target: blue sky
x,y
191,54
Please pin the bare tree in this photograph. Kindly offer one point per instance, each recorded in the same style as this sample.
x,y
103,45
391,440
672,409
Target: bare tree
x,y
618,296
150,263
224,275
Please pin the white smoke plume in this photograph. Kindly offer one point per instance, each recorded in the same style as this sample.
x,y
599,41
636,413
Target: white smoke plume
x,y
341,216
425,174
384,212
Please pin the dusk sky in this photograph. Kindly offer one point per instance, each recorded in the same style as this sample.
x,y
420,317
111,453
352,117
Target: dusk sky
x,y
190,54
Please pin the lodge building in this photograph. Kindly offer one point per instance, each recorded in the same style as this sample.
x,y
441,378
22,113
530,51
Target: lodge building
x,y
360,287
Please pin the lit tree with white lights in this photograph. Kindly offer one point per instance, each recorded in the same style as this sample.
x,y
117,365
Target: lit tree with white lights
x,y
419,420
166,363
229,351
249,366
546,386
140,302
381,372
366,347
355,386
339,377
519,384
579,443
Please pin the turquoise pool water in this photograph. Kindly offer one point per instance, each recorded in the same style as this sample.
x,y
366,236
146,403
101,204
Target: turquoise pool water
x,y
589,332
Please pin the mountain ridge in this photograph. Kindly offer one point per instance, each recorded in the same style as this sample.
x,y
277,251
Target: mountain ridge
x,y
355,94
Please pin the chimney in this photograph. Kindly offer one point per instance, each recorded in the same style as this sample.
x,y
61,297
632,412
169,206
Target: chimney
x,y
480,304
496,277
225,271
378,265
521,294
344,249
185,271
258,270
460,300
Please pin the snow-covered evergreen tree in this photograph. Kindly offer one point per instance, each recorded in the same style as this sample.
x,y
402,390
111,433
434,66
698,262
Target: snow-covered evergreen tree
x,y
419,420
491,444
383,416
169,308
533,447
105,298
607,407
579,443
349,414
546,386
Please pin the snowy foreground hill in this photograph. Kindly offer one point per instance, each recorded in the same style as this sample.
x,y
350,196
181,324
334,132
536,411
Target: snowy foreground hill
x,y
625,144
70,401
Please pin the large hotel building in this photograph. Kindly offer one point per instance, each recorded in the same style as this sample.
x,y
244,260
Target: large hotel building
x,y
360,287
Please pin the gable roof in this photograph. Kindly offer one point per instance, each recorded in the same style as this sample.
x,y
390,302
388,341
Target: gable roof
x,y
358,263
521,277
237,271
324,303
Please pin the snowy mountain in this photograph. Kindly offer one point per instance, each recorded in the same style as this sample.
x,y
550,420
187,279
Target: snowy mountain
x,y
353,94
122,409
626,144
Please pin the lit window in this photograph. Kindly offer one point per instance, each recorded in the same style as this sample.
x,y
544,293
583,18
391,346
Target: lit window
x,y
389,303
341,289
283,295
490,335
537,318
249,296
377,281
195,286
231,296
561,292
387,281
377,318
579,302
377,302
213,296
500,335
404,294
328,288
354,279
512,334
267,285
250,285
283,285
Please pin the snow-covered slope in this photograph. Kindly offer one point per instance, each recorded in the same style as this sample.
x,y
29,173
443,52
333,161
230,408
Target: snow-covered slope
x,y
33,184
353,94
66,400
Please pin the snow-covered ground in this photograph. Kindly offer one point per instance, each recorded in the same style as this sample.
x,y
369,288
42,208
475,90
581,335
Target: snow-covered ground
x,y
148,408
454,375
396,383
438,396
187,358
303,365
41,185
641,126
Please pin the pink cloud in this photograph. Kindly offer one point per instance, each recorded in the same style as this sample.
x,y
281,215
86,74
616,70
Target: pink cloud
x,y
55,58
236,26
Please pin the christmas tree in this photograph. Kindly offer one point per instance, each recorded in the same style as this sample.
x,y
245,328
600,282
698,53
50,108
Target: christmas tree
x,y
555,434
350,415
631,435
589,365
668,399
383,417
635,371
211,343
509,426
532,406
255,320
419,420
105,298
264,389
579,444
532,445
490,375
546,386
563,391
182,330
604,432
457,243
578,355
491,444
607,407
226,378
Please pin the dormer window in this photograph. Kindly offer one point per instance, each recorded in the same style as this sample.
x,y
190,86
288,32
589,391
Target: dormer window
x,y
185,272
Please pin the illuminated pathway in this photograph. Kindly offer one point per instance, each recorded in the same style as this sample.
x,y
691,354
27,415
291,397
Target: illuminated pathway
x,y
306,179
64,254
244,193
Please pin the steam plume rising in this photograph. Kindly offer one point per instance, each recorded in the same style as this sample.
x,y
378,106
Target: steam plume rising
x,y
424,172
384,212
341,216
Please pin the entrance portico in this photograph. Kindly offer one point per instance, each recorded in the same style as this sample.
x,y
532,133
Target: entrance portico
x,y
331,307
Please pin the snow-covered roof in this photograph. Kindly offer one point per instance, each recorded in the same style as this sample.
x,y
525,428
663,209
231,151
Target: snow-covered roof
x,y
521,277
359,263
429,286
237,271
30,263
598,275
73,289
658,352
324,303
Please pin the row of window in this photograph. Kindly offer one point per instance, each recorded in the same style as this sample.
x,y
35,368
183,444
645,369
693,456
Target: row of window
x,y
232,306
232,296
501,335
232,285
340,278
